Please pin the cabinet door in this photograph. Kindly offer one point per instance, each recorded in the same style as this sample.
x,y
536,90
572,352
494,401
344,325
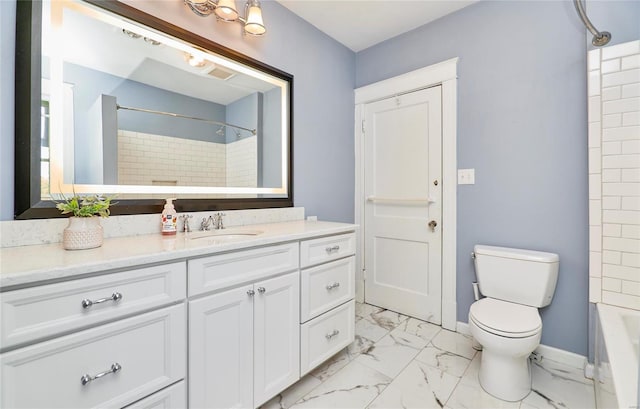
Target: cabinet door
x,y
221,350
276,336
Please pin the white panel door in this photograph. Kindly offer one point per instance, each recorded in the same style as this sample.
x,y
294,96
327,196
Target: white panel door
x,y
276,336
221,350
403,196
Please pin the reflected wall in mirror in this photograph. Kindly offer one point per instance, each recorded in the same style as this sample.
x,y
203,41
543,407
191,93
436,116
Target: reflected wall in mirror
x,y
148,110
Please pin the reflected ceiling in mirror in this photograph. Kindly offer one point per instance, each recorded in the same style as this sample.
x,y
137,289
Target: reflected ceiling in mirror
x,y
129,110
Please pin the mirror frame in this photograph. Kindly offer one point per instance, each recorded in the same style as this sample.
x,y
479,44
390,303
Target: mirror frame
x,y
28,65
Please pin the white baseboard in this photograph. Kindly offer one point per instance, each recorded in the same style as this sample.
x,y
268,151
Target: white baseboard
x,y
554,354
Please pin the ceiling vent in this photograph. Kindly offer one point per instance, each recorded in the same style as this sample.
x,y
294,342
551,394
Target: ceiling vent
x,y
221,73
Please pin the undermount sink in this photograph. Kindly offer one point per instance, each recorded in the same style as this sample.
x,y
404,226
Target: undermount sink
x,y
224,234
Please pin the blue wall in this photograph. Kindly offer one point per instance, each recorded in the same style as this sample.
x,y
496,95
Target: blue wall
x,y
522,125
324,72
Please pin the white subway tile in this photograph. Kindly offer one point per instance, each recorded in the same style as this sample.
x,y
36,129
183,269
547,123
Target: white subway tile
x,y
631,231
593,60
621,272
611,202
594,107
595,186
611,284
631,118
631,175
612,120
630,91
595,158
632,61
631,147
621,189
595,264
611,93
595,290
621,50
595,238
621,216
612,148
593,83
621,300
610,66
595,212
611,257
631,288
594,134
623,133
621,78
611,175
621,244
611,230
630,203
621,161
631,260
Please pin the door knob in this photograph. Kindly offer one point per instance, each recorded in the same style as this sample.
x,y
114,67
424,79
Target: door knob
x,y
433,225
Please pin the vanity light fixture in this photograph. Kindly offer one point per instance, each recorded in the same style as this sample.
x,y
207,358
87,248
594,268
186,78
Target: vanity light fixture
x,y
225,10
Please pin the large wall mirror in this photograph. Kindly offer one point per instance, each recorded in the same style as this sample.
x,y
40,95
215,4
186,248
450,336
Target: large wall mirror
x,y
111,100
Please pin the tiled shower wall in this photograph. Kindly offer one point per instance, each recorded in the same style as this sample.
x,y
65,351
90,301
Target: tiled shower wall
x,y
614,175
147,159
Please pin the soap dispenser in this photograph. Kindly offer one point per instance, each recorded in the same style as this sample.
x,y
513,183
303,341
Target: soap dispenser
x,y
169,218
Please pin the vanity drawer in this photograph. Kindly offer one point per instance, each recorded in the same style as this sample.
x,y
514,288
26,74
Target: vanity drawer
x,y
173,397
221,271
326,286
325,335
150,349
325,249
44,311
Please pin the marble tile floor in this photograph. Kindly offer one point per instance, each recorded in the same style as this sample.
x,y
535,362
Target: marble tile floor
x,y
401,362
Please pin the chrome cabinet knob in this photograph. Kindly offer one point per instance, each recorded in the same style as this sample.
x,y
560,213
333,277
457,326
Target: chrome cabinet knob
x,y
433,224
251,293
261,290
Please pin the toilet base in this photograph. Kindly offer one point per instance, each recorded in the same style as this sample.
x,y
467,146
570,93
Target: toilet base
x,y
505,377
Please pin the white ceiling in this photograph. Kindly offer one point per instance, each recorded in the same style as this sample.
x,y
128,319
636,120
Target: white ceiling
x,y
359,24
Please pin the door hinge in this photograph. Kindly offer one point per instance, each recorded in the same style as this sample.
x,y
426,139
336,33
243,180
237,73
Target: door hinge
x,y
363,126
364,274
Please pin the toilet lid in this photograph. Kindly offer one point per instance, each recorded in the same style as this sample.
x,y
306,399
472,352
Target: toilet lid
x,y
505,318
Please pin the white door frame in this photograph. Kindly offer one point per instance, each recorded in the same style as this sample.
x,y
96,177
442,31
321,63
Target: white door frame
x,y
444,74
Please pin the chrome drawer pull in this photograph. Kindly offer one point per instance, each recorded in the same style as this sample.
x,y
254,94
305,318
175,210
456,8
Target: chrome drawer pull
x,y
332,286
115,297
332,334
330,250
86,378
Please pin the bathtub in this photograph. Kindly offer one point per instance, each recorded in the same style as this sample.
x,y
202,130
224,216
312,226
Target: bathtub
x,y
617,357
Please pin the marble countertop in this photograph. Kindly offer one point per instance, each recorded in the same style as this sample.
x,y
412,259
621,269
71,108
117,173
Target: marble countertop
x,y
28,265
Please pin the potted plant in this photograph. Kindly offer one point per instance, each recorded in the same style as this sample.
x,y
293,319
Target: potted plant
x,y
84,230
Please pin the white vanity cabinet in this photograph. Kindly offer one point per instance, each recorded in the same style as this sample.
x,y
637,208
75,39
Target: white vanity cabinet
x,y
327,298
244,342
209,327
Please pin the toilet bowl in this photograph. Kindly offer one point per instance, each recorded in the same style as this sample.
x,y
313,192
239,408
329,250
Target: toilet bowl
x,y
506,323
508,333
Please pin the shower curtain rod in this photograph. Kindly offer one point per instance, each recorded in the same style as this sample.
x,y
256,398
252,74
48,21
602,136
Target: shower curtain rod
x,y
209,121
600,38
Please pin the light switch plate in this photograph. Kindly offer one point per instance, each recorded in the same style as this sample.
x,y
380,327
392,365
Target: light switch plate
x,y
466,176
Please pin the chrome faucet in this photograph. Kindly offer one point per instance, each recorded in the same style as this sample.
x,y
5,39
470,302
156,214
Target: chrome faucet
x,y
217,219
207,223
185,220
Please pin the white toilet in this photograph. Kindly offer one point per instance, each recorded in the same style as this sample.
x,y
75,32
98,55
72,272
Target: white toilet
x,y
506,323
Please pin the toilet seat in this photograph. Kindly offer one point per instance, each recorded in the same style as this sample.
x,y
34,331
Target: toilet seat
x,y
505,318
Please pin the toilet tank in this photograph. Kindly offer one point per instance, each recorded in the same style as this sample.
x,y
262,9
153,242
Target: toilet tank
x,y
521,276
